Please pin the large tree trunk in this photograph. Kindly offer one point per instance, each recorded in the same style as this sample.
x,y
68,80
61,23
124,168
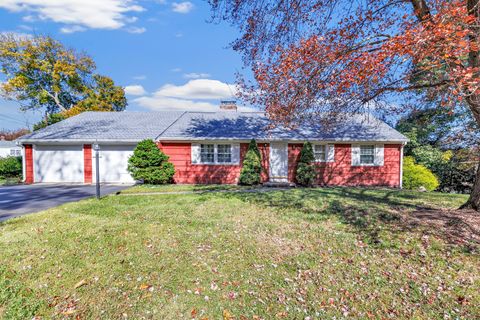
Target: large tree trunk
x,y
474,200
473,99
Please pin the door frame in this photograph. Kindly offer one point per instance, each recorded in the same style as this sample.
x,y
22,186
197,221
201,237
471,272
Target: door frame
x,y
272,177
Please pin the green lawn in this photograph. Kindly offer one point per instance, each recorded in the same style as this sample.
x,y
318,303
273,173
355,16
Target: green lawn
x,y
318,253
178,188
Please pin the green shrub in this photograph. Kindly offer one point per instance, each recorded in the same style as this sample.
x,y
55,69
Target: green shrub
x,y
417,175
252,166
150,164
10,167
306,172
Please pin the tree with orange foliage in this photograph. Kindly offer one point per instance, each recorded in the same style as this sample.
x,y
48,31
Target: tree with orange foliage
x,y
316,59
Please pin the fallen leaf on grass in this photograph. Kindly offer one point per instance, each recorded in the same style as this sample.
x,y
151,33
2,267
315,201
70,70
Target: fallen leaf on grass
x,y
144,286
227,315
81,283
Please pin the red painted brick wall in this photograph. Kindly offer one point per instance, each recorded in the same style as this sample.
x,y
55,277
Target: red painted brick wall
x,y
87,163
28,163
188,173
341,172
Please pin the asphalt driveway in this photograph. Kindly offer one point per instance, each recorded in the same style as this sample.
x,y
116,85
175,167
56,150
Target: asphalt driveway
x,y
23,199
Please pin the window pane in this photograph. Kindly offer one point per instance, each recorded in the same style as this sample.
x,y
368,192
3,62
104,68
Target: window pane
x,y
367,150
367,154
366,159
224,153
320,154
207,153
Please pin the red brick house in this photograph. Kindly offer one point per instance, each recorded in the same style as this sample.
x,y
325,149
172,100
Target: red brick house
x,y
208,147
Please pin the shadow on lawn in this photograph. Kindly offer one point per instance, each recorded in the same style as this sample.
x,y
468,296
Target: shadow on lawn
x,y
371,211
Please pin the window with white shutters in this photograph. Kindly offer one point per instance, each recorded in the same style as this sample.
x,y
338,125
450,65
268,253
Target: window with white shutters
x,y
367,154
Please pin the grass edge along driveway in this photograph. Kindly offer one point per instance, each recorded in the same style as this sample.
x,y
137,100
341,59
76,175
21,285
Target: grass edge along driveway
x,y
318,253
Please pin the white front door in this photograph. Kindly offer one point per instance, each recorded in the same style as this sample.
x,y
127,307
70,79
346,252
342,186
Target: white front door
x,y
278,162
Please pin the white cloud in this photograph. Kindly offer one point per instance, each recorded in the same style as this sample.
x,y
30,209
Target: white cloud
x,y
194,75
164,103
135,90
72,29
195,95
182,7
178,35
140,77
198,89
25,27
136,30
95,14
176,70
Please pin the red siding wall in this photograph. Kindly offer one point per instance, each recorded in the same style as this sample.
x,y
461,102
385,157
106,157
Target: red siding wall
x,y
341,171
28,163
186,172
87,163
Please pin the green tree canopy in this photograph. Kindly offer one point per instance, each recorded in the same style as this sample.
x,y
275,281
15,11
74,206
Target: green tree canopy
x,y
42,74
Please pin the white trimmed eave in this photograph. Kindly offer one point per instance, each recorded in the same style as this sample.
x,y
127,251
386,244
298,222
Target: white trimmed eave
x,y
173,139
220,139
78,141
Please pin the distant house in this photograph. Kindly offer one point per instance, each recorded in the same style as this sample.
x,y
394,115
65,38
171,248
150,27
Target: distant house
x,y
9,148
208,147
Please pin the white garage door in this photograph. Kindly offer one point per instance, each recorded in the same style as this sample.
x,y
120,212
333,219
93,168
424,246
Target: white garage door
x,y
58,164
114,163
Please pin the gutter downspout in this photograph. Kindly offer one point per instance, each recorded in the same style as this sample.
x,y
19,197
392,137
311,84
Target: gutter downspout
x,y
401,165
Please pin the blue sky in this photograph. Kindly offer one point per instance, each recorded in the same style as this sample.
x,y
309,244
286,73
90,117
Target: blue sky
x,y
164,52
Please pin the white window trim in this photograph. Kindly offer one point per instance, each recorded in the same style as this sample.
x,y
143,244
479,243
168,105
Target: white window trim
x,y
378,155
325,151
372,164
329,152
234,148
214,154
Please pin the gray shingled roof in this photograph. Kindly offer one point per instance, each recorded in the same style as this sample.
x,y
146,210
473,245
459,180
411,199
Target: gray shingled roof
x,y
244,126
106,126
7,144
172,125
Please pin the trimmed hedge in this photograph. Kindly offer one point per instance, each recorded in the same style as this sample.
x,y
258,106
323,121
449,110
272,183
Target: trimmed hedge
x,y
417,175
150,164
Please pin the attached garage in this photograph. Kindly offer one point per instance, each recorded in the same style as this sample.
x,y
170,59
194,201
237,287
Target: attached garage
x,y
114,163
63,152
58,163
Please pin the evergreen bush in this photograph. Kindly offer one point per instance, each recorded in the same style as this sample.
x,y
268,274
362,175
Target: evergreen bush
x,y
150,164
306,172
252,166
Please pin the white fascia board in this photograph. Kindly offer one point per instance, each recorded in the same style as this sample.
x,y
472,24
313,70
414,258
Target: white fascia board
x,y
173,139
79,141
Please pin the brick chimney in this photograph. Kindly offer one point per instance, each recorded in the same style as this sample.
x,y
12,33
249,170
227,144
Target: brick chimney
x,y
228,105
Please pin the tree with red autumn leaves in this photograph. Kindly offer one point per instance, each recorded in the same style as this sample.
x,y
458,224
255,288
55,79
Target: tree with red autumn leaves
x,y
315,59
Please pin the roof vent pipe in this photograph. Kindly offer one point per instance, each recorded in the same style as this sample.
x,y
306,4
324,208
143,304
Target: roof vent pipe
x,y
228,105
